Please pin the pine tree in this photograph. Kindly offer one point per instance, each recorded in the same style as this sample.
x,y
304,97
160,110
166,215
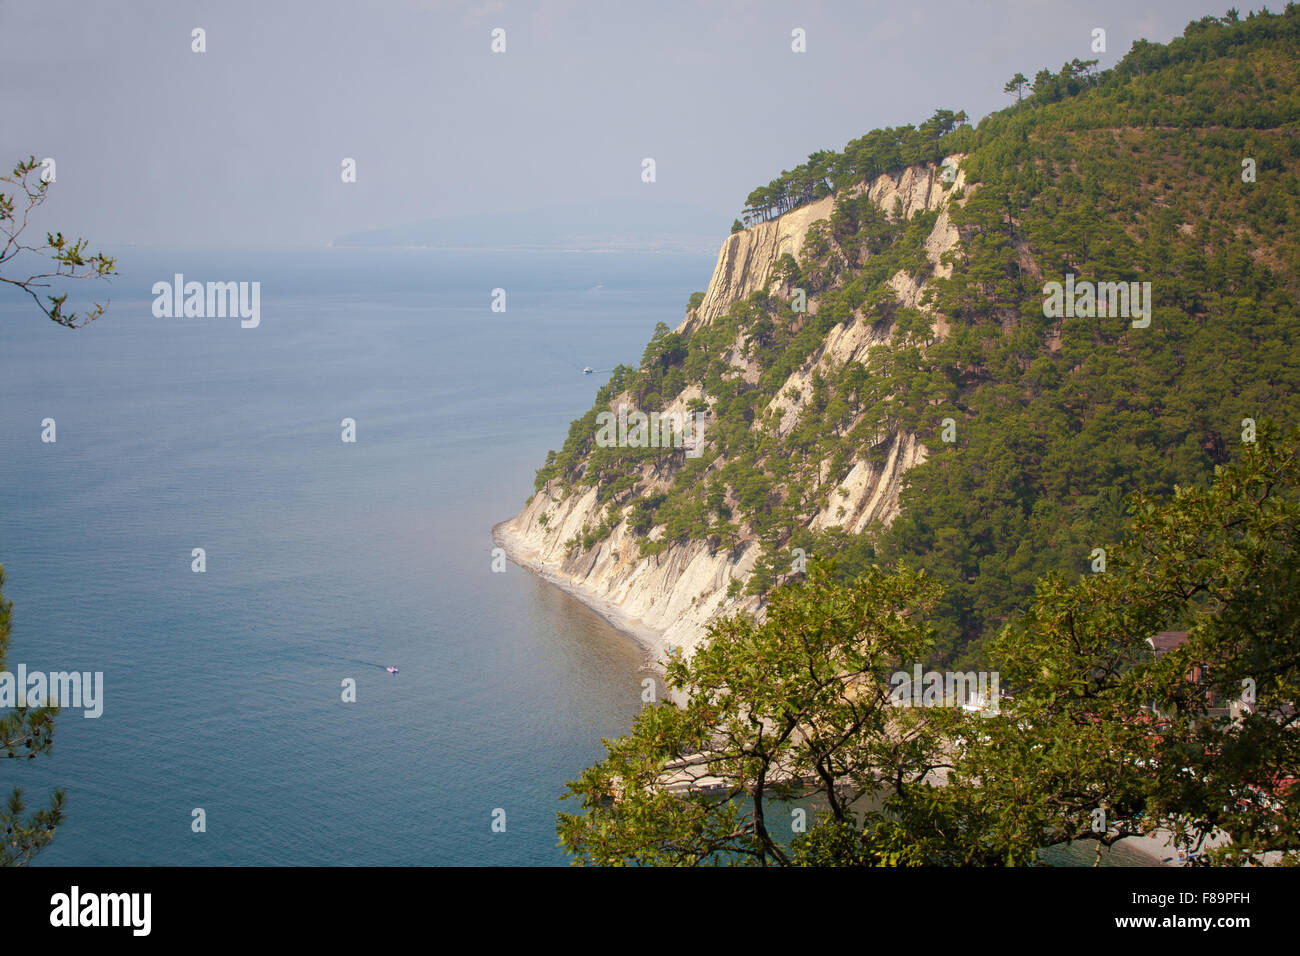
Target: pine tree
x,y
24,733
29,731
1017,86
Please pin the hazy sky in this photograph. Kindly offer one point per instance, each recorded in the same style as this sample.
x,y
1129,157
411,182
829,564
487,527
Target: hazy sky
x,y
241,146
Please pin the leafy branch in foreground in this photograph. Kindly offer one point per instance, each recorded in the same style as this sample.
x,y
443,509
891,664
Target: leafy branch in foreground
x,y
1103,740
68,255
26,732
1204,741
794,710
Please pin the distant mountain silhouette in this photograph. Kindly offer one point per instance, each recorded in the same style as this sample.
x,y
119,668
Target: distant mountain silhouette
x,y
615,224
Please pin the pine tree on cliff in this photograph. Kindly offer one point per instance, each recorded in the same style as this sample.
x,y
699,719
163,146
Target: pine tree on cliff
x,y
1017,85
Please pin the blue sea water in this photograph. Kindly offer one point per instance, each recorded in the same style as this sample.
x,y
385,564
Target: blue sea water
x,y
324,560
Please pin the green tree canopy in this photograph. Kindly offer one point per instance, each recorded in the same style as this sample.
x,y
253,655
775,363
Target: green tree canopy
x,y
24,733
1102,740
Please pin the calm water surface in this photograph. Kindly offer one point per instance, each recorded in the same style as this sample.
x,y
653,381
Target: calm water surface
x,y
325,560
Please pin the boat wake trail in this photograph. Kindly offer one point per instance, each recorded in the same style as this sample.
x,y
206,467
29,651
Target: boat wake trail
x,y
353,660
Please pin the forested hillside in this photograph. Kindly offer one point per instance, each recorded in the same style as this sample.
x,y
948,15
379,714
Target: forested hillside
x,y
1177,167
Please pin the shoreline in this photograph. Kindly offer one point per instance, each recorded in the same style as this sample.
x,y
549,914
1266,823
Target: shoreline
x,y
650,640
1157,848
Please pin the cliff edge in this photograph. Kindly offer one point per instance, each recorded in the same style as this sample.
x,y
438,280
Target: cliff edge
x,y
666,595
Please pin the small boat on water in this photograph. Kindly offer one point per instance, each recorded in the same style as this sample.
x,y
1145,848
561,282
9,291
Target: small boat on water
x,y
588,370
391,670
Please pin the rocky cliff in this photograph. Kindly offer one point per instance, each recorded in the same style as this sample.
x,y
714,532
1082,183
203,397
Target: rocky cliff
x,y
667,599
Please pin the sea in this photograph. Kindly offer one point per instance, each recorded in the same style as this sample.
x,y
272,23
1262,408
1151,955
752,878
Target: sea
x,y
248,716
225,737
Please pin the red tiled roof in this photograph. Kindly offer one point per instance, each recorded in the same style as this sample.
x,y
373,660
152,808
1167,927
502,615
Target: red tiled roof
x,y
1166,641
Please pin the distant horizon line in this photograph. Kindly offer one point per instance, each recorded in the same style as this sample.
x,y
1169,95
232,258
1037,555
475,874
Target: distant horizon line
x,y
333,245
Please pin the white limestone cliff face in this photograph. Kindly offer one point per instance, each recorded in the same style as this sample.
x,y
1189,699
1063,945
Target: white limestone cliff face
x,y
869,493
669,599
916,188
746,258
665,600
847,342
874,492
